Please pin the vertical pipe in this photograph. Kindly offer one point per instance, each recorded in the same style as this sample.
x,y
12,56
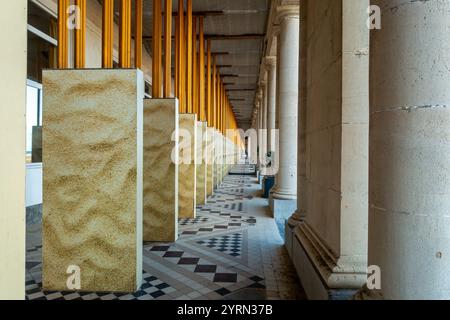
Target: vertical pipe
x,y
195,104
202,70
80,36
63,34
189,56
138,35
209,86
108,34
125,34
168,49
157,50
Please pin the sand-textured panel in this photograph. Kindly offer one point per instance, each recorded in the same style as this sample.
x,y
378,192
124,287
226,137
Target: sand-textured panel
x,y
160,170
187,169
210,161
201,163
92,182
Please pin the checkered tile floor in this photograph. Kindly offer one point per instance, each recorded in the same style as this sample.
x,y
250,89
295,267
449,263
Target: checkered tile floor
x,y
220,254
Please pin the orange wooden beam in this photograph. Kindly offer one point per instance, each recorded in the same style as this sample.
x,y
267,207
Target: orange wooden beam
x,y
125,34
80,36
189,56
202,69
195,93
63,35
168,49
138,35
157,51
181,58
209,86
107,34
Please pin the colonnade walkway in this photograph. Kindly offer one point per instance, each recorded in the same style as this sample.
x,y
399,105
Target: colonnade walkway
x,y
232,250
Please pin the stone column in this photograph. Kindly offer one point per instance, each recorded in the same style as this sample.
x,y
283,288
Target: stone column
x,y
284,194
271,65
409,179
300,213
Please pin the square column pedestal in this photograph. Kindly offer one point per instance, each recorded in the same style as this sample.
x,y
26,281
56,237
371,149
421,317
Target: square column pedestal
x,y
210,143
201,162
161,170
281,209
92,180
188,168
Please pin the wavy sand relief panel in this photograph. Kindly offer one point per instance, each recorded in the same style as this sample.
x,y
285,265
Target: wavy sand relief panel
x,y
218,160
187,172
201,165
92,210
210,161
160,170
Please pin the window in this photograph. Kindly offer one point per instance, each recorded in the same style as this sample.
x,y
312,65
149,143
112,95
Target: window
x,y
34,122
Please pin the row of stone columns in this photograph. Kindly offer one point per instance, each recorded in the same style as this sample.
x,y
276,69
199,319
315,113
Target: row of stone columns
x,y
408,169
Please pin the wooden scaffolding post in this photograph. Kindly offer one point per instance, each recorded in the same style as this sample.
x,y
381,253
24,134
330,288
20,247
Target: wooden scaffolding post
x,y
209,86
63,35
80,36
157,50
195,104
107,34
125,35
168,49
201,63
189,56
181,58
138,35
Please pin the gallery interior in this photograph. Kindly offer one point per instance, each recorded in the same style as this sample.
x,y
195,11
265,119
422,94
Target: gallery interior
x,y
225,150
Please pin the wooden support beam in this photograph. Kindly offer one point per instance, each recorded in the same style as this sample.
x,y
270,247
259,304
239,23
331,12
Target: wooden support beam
x,y
125,34
63,35
214,94
252,36
209,85
80,36
138,34
189,56
203,13
202,69
181,58
157,50
177,60
195,93
168,49
107,34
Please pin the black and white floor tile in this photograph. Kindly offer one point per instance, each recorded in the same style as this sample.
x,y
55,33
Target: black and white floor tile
x,y
231,250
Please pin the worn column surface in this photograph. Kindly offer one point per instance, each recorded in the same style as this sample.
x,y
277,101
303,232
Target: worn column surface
x,y
187,169
93,178
409,222
161,170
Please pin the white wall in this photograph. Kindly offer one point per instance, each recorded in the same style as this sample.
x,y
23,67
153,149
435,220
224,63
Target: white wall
x,y
13,66
33,184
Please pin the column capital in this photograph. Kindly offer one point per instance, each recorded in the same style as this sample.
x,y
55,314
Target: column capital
x,y
288,11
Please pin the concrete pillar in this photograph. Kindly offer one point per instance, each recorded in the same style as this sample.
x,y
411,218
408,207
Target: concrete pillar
x,y
271,65
13,57
409,179
284,194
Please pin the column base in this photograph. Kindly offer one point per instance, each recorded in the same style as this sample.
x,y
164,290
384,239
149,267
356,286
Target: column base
x,y
323,276
290,226
281,209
